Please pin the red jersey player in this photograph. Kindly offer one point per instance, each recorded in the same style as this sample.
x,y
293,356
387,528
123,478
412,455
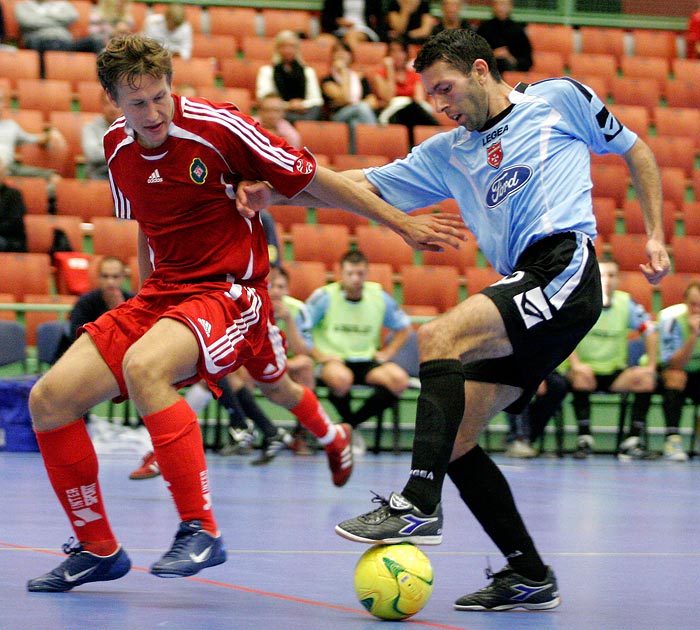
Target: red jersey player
x,y
203,309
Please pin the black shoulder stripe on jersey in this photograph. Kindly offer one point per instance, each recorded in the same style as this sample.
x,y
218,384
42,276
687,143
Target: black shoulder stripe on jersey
x,y
579,87
521,87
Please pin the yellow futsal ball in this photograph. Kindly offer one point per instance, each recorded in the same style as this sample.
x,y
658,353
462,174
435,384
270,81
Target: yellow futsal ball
x,y
394,581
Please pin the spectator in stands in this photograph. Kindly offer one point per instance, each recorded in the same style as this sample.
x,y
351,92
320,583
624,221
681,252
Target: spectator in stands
x,y
109,18
13,237
91,139
692,35
451,16
508,39
290,78
348,94
354,22
12,136
400,91
527,427
45,25
411,20
3,31
171,29
270,115
680,365
347,319
600,363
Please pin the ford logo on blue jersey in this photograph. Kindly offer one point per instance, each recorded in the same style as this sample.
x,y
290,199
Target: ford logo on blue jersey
x,y
507,183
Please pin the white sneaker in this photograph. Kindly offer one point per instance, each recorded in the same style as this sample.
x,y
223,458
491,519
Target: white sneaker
x,y
520,449
673,449
359,448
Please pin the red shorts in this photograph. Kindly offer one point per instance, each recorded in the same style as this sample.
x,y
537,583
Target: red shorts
x,y
231,323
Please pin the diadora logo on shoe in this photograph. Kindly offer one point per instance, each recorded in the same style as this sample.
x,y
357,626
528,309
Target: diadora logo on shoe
x,y
204,324
154,177
414,522
524,591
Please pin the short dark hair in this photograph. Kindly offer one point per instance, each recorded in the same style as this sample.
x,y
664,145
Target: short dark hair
x,y
354,257
460,48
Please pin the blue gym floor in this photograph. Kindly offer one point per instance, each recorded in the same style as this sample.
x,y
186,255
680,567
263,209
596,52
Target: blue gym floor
x,y
624,539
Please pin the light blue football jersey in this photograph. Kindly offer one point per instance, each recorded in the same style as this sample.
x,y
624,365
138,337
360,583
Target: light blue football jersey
x,y
524,178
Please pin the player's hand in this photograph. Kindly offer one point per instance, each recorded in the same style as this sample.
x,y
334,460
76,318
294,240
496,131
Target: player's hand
x,y
432,231
252,197
659,263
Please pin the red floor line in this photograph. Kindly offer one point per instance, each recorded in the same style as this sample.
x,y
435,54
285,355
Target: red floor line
x,y
255,591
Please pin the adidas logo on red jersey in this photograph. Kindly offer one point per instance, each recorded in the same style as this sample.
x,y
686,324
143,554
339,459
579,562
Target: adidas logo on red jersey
x,y
154,177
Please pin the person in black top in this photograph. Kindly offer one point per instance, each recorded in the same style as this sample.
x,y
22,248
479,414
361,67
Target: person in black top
x,y
508,39
13,237
451,18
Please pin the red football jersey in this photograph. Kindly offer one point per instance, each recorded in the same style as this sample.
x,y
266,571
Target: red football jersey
x,y
182,193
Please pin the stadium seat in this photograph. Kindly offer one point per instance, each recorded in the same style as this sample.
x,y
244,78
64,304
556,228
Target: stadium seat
x,y
286,216
460,259
674,285
636,284
677,121
34,192
218,47
276,20
673,183
40,231
690,212
634,220
478,278
70,66
558,38
380,244
21,274
584,64
89,94
674,151
114,237
652,43
336,216
390,140
636,117
629,250
682,93
258,48
610,180
322,243
602,41
548,62
643,67
305,277
240,73
685,254
423,132
44,95
350,161
686,69
605,210
70,125
85,198
34,319
635,91
18,65
327,137
197,72
240,97
430,285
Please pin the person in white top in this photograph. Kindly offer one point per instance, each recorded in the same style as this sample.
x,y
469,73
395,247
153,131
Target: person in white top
x,y
171,29
294,82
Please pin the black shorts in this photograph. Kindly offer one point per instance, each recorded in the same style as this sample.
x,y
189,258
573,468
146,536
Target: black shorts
x,y
548,304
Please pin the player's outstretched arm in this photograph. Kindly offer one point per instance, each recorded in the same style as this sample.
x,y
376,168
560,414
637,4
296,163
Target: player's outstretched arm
x,y
354,193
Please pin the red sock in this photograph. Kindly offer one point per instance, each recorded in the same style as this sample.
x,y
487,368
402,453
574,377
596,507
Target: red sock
x,y
177,444
71,463
313,416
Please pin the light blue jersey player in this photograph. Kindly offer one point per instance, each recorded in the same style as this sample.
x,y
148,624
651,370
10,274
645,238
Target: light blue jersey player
x,y
523,177
518,167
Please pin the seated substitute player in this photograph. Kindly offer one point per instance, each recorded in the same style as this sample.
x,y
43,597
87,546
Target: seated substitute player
x,y
680,365
202,311
518,165
600,363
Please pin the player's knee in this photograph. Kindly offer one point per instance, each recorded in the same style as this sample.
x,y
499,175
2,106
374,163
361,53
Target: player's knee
x,y
138,369
44,404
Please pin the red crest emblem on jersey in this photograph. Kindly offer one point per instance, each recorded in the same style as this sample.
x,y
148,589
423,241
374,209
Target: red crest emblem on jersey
x,y
494,154
303,166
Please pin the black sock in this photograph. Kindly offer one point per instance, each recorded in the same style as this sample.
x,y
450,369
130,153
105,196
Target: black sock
x,y
230,401
673,408
342,406
640,410
381,399
439,413
581,403
485,490
257,415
